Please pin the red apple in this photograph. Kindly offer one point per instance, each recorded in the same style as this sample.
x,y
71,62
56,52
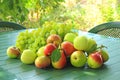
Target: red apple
x,y
104,54
55,39
13,52
42,61
68,47
58,59
49,48
95,60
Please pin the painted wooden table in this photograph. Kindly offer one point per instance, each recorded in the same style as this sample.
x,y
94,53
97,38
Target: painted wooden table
x,y
14,69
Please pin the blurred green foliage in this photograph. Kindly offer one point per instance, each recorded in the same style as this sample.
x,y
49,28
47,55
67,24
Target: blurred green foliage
x,y
85,14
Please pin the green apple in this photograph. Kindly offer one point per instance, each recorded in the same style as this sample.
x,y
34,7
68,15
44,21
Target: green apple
x,y
92,45
95,60
70,37
28,56
42,61
104,54
78,59
13,52
81,42
40,51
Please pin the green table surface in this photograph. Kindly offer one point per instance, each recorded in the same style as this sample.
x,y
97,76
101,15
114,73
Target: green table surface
x,y
14,69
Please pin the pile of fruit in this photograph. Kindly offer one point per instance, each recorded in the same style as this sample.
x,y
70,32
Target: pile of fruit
x,y
50,47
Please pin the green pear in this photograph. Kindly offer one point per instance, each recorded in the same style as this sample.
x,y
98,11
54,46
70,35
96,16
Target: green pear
x,y
28,57
80,42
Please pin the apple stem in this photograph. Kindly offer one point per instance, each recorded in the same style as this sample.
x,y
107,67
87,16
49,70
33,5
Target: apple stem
x,y
101,47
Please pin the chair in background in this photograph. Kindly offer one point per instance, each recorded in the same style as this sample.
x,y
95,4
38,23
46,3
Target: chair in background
x,y
108,29
9,26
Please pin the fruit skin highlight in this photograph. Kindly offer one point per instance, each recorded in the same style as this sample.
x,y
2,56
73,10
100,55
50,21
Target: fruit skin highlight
x,y
68,48
95,60
13,52
28,56
42,61
81,43
78,59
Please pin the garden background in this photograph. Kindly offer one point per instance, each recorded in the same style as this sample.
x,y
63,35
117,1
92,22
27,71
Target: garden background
x,y
82,14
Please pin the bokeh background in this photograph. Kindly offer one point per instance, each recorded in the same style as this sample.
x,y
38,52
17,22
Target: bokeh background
x,y
83,14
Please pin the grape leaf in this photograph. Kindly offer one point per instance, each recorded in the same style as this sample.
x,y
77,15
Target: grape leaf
x,y
55,55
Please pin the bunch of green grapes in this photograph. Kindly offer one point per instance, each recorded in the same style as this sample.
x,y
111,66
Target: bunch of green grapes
x,y
24,39
37,38
58,28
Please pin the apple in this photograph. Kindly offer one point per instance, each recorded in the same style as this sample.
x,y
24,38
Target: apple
x,y
80,43
78,59
55,39
40,51
70,37
58,59
92,45
42,61
49,48
67,47
104,54
13,52
28,56
95,60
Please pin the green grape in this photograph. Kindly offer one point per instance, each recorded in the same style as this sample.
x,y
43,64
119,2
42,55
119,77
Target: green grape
x,y
43,42
60,31
47,34
52,32
22,42
29,41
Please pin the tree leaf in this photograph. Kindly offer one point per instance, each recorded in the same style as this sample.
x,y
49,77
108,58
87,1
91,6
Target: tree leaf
x,y
55,55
